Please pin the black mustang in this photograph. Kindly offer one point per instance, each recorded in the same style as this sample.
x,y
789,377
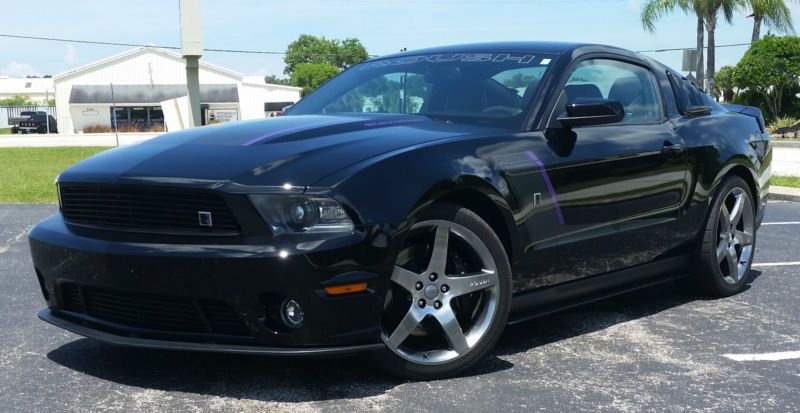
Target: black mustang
x,y
411,208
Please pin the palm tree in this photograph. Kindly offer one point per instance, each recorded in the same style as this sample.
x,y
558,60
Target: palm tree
x,y
711,10
653,10
707,13
774,14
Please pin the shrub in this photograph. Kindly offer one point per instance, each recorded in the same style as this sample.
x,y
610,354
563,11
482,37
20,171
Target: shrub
x,y
97,129
156,127
782,122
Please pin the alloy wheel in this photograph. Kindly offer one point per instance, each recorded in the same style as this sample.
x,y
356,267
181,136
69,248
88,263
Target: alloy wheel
x,y
449,294
735,235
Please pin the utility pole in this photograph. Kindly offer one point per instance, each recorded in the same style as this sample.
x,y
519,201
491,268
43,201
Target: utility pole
x,y
191,22
114,113
47,105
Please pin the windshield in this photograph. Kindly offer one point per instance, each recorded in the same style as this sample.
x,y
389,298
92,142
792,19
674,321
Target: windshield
x,y
487,88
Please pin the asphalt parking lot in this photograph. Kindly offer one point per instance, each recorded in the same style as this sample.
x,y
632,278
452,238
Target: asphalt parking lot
x,y
657,349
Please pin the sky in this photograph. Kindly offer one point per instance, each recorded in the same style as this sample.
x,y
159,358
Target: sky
x,y
383,26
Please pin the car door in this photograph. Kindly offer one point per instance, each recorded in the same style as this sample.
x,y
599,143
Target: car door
x,y
616,188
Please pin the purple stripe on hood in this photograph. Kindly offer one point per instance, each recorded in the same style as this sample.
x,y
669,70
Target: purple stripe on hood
x,y
287,130
376,123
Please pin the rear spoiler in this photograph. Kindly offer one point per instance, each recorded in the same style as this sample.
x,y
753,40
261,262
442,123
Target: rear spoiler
x,y
749,111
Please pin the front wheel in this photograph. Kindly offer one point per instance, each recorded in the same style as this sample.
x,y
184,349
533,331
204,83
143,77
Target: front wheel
x,y
449,297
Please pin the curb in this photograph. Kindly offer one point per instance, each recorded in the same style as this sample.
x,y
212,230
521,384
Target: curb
x,y
782,193
785,144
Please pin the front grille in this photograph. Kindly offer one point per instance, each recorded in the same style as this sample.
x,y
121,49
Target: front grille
x,y
153,312
147,209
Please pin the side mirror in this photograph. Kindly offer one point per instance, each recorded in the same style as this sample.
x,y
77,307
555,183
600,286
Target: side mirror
x,y
694,111
588,112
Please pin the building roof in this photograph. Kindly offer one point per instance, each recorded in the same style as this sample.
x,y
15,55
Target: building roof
x,y
142,50
142,94
24,86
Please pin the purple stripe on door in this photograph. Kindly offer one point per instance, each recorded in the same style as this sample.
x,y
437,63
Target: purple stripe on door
x,y
548,184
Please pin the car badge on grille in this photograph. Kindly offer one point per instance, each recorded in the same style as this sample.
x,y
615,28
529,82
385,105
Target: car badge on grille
x,y
204,218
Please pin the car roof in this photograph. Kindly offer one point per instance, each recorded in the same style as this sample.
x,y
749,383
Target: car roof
x,y
542,47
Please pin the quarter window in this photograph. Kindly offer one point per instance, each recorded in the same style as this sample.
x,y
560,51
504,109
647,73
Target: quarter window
x,y
631,85
686,94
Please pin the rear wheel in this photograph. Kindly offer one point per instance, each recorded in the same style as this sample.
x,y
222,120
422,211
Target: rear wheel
x,y
449,298
726,250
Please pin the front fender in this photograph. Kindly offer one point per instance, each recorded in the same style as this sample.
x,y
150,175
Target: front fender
x,y
392,187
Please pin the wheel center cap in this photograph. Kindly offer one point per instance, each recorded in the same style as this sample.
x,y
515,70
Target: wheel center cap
x,y
431,291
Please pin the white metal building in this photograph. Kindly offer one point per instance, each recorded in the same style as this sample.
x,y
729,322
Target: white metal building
x,y
145,76
37,89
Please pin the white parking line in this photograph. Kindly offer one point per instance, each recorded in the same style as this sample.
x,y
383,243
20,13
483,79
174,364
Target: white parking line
x,y
783,355
781,223
5,247
775,264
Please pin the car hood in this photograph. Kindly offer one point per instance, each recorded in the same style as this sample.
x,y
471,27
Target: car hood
x,y
297,150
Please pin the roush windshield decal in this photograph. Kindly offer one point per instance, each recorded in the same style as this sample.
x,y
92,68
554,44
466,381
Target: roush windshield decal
x,y
522,59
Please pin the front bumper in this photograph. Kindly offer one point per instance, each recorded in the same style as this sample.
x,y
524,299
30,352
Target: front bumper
x,y
143,293
57,320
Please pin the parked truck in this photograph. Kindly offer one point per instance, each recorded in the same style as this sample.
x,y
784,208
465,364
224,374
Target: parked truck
x,y
23,116
40,122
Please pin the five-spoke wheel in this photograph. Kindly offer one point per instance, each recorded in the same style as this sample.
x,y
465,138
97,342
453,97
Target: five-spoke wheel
x,y
449,296
726,250
735,235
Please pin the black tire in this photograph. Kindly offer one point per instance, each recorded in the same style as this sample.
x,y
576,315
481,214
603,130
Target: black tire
x,y
402,368
708,278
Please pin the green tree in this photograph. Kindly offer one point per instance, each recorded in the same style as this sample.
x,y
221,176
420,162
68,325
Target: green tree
x,y
725,84
310,75
320,50
774,14
351,52
275,80
18,100
770,67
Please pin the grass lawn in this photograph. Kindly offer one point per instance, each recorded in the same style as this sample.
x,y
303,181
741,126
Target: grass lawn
x,y
27,174
792,181
5,131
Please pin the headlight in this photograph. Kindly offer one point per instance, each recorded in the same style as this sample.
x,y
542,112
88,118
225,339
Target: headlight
x,y
288,214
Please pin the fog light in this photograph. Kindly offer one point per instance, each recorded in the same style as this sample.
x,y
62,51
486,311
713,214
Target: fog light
x,y
291,313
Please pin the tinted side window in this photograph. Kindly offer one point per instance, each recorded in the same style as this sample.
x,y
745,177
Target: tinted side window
x,y
686,93
631,85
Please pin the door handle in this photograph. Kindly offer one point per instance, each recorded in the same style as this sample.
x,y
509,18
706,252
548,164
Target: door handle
x,y
669,149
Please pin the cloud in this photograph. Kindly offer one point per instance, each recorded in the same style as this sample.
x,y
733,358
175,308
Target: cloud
x,y
17,69
71,55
